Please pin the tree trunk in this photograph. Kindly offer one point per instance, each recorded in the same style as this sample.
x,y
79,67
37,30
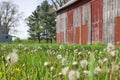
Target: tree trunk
x,y
51,40
38,37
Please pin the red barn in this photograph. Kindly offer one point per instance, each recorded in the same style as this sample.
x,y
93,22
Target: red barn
x,y
89,21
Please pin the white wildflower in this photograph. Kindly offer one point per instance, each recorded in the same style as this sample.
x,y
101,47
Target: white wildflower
x,y
115,68
84,63
76,51
12,58
113,53
86,72
110,47
14,50
89,52
96,51
65,71
46,64
60,74
79,53
59,57
61,47
20,45
73,75
52,68
97,70
75,63
100,61
105,60
25,48
64,62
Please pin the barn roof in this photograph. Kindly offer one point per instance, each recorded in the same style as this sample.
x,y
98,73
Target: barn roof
x,y
68,4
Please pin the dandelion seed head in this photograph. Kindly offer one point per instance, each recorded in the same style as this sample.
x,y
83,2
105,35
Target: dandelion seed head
x,y
60,74
12,58
64,62
59,57
112,53
84,63
65,71
115,68
89,52
14,50
52,68
73,75
110,47
79,53
100,61
61,47
97,70
75,63
76,51
86,72
46,64
20,45
105,60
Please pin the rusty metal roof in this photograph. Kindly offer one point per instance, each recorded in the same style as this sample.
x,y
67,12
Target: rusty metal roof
x,y
68,4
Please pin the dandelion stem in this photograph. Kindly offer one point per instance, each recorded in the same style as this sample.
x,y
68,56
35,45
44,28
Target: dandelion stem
x,y
91,77
4,69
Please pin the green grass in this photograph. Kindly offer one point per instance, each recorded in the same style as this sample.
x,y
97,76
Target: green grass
x,y
32,57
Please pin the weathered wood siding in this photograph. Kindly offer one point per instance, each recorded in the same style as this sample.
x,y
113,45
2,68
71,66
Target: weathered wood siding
x,y
70,27
89,21
111,10
86,24
77,25
117,31
61,28
97,18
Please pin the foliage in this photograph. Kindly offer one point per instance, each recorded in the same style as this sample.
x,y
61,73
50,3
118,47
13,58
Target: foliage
x,y
42,21
33,22
55,62
9,15
17,40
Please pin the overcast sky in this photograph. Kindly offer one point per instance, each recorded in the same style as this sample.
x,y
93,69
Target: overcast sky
x,y
26,7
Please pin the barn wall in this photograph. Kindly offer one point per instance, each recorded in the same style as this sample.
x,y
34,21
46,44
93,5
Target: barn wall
x,y
117,31
74,25
82,24
77,25
97,20
111,10
86,24
89,22
61,28
70,27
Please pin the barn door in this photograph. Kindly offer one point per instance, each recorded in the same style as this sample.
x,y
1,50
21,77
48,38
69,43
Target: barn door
x,y
117,31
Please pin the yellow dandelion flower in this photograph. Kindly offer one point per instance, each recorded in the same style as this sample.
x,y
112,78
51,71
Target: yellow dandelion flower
x,y
16,70
0,73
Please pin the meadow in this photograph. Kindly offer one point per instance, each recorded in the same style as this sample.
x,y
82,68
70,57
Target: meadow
x,y
59,62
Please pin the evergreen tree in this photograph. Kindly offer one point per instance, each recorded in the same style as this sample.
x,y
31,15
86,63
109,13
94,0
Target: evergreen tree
x,y
42,21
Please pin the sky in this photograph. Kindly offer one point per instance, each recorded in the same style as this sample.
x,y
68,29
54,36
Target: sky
x,y
26,7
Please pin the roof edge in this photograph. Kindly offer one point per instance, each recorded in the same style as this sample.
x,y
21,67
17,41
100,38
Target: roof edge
x,y
67,4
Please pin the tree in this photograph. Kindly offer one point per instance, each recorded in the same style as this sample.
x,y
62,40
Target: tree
x,y
59,3
48,19
33,21
9,15
42,21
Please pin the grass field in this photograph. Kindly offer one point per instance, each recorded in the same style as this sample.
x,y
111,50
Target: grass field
x,y
59,62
